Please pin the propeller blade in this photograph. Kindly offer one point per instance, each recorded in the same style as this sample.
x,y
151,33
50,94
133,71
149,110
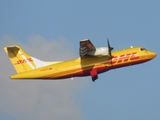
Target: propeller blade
x,y
109,48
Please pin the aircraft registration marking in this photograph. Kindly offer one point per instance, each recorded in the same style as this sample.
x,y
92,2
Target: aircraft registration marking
x,y
45,69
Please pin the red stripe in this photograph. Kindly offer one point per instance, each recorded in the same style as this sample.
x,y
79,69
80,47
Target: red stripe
x,y
86,71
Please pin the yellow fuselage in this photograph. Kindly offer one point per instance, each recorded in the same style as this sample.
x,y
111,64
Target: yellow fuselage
x,y
82,67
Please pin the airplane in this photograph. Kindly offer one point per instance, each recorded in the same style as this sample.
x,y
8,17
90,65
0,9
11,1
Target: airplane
x,y
92,61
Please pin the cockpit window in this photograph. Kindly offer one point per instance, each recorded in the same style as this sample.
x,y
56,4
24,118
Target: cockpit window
x,y
142,49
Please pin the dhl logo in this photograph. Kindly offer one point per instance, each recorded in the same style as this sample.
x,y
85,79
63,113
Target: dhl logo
x,y
124,58
24,61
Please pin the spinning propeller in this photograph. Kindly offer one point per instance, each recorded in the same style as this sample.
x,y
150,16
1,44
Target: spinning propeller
x,y
109,48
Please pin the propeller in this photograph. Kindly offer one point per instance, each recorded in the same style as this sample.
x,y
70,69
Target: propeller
x,y
109,48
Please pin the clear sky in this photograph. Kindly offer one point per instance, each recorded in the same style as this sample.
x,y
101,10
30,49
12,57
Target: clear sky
x,y
51,30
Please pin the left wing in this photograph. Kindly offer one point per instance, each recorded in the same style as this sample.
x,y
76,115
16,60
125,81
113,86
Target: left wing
x,y
86,46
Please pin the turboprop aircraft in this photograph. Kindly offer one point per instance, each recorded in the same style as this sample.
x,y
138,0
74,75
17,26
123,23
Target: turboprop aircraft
x,y
92,61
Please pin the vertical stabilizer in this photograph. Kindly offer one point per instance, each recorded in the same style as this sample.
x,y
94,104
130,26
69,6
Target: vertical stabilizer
x,y
21,61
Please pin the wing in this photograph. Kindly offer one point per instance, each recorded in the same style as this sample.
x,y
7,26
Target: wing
x,y
86,46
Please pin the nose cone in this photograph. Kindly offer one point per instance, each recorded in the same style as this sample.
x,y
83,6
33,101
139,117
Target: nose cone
x,y
152,55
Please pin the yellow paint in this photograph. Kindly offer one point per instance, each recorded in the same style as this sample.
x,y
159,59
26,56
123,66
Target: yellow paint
x,y
27,69
19,59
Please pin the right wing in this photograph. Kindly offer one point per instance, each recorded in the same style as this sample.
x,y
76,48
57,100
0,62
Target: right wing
x,y
86,46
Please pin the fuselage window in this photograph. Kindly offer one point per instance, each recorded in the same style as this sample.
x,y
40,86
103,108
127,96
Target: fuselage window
x,y
143,49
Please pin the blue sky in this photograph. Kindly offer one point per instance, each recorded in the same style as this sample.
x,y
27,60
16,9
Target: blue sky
x,y
126,93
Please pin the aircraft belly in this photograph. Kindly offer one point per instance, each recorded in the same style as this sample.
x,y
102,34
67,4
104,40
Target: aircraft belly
x,y
86,71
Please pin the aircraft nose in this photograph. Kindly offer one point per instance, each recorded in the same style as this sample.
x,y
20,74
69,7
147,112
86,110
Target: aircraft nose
x,y
152,55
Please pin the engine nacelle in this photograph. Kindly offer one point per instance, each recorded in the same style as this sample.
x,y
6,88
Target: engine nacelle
x,y
102,51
